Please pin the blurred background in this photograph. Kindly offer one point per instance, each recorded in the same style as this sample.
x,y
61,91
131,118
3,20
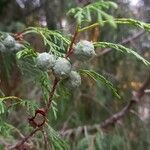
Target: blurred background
x,y
91,104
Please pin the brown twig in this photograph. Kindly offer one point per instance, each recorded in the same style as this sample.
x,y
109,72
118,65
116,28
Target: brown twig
x,y
56,81
19,144
70,49
47,146
115,117
135,99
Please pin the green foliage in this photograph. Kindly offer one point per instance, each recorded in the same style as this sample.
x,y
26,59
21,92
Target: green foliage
x,y
56,42
85,14
125,21
5,129
45,83
27,52
100,79
54,109
133,22
29,105
56,141
1,93
26,62
2,107
101,141
7,106
122,49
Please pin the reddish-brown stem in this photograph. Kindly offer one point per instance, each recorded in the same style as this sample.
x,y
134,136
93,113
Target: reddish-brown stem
x,y
51,94
70,49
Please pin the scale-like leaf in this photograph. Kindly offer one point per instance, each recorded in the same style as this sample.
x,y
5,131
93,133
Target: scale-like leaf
x,y
121,49
133,22
2,108
56,42
54,109
27,52
29,105
100,79
126,21
85,14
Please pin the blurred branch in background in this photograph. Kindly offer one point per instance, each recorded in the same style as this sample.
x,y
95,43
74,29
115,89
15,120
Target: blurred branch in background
x,y
111,121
